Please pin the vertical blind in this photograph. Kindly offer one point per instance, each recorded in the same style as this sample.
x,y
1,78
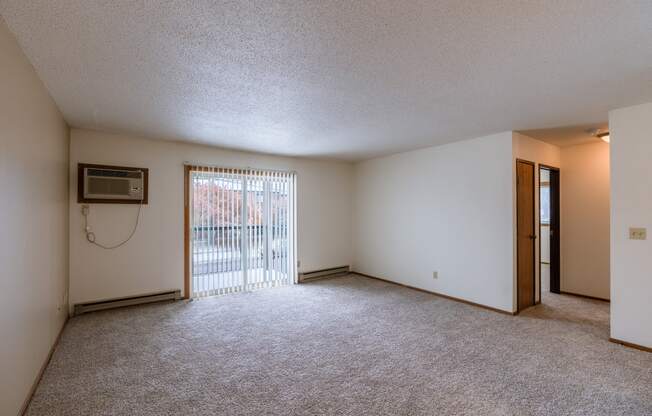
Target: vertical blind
x,y
243,233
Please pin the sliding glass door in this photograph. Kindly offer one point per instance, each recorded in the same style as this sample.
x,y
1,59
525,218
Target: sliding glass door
x,y
242,230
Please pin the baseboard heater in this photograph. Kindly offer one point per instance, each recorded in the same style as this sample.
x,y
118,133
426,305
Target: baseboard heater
x,y
320,274
126,301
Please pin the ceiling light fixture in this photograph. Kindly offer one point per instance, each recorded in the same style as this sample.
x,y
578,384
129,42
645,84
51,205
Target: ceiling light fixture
x,y
604,136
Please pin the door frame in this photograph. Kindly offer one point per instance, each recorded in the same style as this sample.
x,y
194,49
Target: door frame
x,y
555,206
187,239
534,227
186,231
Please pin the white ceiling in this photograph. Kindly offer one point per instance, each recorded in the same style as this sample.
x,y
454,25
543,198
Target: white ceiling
x,y
342,79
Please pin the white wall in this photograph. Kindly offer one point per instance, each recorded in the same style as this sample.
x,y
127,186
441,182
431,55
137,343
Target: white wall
x,y
527,148
33,223
631,206
446,209
585,221
153,259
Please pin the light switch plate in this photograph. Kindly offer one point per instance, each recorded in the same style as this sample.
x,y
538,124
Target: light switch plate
x,y
638,233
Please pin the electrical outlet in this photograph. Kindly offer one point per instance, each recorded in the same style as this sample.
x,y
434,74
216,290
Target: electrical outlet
x,y
638,233
435,275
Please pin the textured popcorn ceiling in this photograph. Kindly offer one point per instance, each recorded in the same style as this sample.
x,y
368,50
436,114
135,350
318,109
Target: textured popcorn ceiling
x,y
344,79
569,135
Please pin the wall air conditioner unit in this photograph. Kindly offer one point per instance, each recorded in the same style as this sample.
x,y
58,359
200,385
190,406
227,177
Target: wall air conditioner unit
x,y
111,184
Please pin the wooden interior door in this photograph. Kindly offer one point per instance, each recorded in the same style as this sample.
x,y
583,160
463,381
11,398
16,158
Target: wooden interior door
x,y
526,235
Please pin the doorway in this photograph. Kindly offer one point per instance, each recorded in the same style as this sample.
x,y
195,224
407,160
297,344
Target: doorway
x,y
525,231
240,230
549,230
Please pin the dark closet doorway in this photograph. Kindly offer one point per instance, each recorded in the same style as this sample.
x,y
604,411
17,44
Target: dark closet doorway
x,y
526,236
549,230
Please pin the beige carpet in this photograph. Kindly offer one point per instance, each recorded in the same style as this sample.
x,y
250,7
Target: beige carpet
x,y
345,346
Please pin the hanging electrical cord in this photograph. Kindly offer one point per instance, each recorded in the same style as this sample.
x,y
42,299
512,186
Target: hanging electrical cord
x,y
90,235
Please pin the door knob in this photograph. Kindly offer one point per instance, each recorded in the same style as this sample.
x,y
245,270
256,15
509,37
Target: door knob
x,y
533,237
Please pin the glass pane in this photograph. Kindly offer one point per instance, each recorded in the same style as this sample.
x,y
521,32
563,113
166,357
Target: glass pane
x,y
219,241
545,204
